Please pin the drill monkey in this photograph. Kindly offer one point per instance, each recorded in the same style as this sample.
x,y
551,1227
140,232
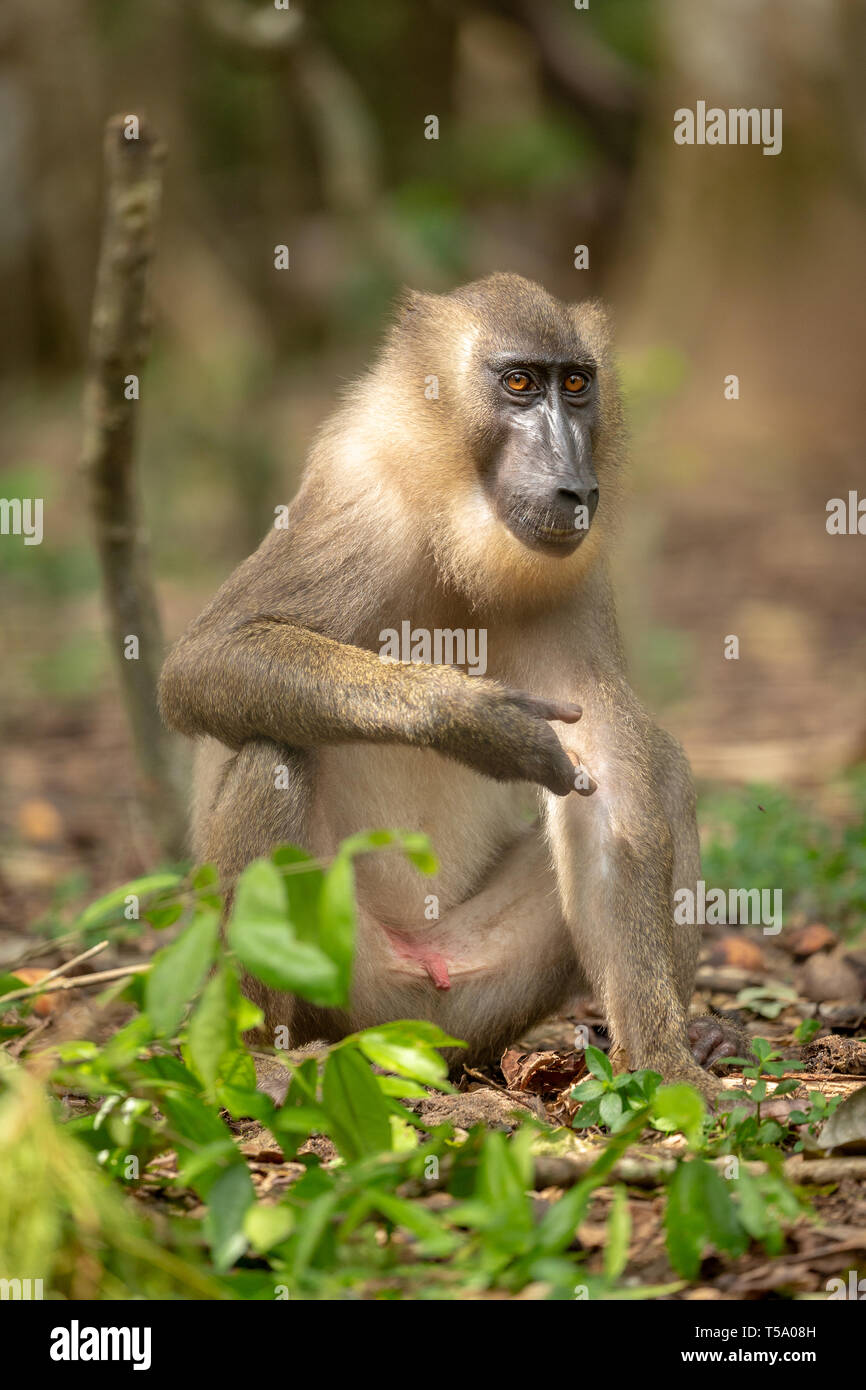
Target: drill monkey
x,y
486,502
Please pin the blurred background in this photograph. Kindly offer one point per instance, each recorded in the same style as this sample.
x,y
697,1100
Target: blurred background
x,y
307,127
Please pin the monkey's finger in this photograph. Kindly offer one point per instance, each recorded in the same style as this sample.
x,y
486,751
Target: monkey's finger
x,y
553,710
556,771
564,713
582,782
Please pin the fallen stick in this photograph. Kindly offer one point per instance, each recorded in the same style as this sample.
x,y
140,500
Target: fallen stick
x,y
100,977
68,964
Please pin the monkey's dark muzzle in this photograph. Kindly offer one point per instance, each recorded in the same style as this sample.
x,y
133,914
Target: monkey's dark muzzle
x,y
554,527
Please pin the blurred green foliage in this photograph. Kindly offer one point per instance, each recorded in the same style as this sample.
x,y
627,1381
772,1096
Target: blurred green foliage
x,y
768,838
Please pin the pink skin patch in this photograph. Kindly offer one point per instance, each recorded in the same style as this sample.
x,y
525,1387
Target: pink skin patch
x,y
432,962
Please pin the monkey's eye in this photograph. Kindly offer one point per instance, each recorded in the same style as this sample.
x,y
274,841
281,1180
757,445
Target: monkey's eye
x,y
577,384
521,383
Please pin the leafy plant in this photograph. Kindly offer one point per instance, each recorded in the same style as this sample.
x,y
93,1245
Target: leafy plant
x,y
819,1109
611,1100
806,1030
177,1076
744,1129
707,1211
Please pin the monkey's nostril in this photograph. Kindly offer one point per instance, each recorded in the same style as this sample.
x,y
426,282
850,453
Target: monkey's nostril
x,y
583,496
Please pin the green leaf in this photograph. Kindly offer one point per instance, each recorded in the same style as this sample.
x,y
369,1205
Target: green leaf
x,y
249,1015
685,1234
806,1030
414,844
193,1121
126,1045
312,1228
587,1115
700,1211
242,1103
338,916
229,1199
8,985
598,1064
424,1224
178,970
265,1227
400,1088
161,917
113,903
500,1181
211,1032
355,1106
205,883
301,1120
588,1090
267,944
679,1107
411,1032
618,1234
302,884
721,1213
237,1068
418,1062
610,1108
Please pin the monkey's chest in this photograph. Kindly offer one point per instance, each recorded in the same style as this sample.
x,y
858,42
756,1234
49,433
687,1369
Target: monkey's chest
x,y
469,819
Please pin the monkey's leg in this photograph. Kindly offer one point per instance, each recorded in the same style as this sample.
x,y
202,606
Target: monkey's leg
x,y
247,804
615,855
711,1037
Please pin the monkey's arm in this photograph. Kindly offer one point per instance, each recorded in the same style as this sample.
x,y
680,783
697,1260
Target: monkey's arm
x,y
266,677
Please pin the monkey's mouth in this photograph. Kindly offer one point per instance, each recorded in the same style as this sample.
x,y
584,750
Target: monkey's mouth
x,y
545,533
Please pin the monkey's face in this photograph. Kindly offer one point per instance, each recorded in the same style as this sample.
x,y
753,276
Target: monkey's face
x,y
514,420
538,467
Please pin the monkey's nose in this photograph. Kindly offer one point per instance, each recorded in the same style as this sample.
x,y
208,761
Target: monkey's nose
x,y
581,496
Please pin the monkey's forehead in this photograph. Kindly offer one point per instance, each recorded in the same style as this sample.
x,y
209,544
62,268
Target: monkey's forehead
x,y
512,317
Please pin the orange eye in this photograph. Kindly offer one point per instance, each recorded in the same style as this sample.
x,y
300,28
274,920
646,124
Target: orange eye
x,y
576,384
518,381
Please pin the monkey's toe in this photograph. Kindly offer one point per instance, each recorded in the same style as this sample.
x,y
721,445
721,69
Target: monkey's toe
x,y
712,1039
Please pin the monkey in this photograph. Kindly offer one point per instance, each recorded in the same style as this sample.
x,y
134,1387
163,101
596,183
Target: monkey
x,y
471,479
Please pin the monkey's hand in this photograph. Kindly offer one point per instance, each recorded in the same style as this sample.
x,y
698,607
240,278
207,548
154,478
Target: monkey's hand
x,y
506,734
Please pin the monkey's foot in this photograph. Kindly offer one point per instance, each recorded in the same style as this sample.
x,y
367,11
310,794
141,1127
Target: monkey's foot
x,y
712,1038
431,962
